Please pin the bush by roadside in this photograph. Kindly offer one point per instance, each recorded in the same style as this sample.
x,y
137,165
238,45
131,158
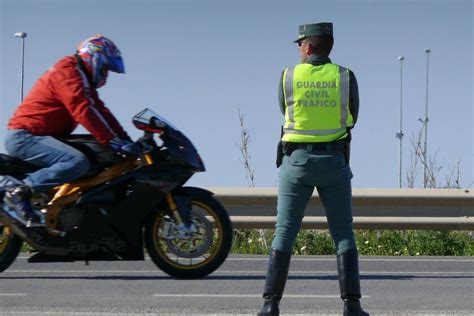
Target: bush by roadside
x,y
369,242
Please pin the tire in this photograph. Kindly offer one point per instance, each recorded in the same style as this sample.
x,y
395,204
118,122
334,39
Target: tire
x,y
209,246
10,246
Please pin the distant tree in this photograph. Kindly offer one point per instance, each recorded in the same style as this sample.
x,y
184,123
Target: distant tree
x,y
246,160
433,169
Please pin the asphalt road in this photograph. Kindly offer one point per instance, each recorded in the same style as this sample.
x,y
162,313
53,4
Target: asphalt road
x,y
391,286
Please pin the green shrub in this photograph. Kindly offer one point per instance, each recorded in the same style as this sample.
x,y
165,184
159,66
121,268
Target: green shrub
x,y
369,242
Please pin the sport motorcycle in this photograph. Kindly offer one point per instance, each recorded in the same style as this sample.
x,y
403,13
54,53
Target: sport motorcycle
x,y
124,205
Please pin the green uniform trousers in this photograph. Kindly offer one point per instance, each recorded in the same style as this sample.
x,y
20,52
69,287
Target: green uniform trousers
x,y
300,172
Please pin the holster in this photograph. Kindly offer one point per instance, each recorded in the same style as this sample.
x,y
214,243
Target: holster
x,y
279,157
347,153
347,148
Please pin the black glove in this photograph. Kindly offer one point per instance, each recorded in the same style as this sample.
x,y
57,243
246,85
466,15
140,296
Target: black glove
x,y
122,146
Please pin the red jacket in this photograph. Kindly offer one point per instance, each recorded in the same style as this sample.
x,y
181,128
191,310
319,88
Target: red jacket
x,y
60,100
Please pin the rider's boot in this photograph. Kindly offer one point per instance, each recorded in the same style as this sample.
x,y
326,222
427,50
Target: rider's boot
x,y
278,266
20,196
349,283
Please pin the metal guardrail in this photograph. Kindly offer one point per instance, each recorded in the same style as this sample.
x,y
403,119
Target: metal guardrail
x,y
451,209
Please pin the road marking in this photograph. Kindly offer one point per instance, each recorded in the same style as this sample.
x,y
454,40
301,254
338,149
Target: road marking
x,y
62,313
295,258
361,272
234,272
35,313
328,313
84,271
247,296
13,294
411,259
332,272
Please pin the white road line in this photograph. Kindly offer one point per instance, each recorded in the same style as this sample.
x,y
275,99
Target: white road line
x,y
360,259
13,294
361,272
295,258
234,272
83,271
246,296
63,313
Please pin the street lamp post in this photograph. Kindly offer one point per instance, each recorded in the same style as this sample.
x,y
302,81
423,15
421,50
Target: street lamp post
x,y
400,133
22,35
425,149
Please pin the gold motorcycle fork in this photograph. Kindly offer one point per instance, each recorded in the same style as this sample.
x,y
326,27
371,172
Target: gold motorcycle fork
x,y
70,192
148,159
174,208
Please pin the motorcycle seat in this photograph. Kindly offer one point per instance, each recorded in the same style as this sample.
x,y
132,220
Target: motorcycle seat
x,y
9,163
99,156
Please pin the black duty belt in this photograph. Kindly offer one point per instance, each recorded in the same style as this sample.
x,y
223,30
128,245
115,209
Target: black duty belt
x,y
328,147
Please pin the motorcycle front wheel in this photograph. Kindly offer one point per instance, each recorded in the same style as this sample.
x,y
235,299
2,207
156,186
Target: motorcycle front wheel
x,y
191,253
10,246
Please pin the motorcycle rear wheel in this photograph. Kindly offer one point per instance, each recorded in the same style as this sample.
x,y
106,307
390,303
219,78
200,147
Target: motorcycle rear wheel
x,y
10,246
201,253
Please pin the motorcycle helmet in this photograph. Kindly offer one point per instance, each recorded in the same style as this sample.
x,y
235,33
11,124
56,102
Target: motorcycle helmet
x,y
100,55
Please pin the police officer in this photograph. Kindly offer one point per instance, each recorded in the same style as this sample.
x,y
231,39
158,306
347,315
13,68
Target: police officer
x,y
320,102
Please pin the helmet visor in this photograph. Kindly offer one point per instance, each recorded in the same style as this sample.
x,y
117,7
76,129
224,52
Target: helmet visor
x,y
116,64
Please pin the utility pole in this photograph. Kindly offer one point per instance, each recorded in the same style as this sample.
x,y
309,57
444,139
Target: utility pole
x,y
399,135
22,35
425,150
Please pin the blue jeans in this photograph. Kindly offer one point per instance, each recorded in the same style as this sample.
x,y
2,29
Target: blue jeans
x,y
299,174
61,163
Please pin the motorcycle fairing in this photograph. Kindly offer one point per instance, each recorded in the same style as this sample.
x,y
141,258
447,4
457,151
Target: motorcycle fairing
x,y
69,193
113,231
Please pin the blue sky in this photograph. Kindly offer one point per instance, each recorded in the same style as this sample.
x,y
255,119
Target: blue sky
x,y
196,62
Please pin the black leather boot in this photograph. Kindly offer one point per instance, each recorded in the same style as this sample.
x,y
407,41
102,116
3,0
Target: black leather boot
x,y
278,266
20,196
349,283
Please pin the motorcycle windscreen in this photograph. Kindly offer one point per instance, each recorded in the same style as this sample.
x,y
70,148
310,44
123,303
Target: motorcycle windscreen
x,y
149,121
179,148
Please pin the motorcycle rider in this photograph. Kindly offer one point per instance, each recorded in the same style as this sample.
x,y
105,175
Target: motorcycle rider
x,y
62,98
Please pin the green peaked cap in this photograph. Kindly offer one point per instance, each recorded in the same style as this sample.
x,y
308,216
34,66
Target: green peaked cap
x,y
307,30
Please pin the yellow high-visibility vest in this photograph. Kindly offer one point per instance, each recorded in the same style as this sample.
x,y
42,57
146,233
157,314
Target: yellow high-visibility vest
x,y
316,103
